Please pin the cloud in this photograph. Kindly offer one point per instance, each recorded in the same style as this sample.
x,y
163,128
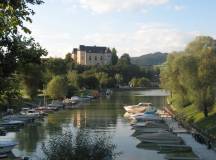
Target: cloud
x,y
178,7
103,6
146,39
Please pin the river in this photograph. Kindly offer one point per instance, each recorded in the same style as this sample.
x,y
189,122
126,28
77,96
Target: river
x,y
103,116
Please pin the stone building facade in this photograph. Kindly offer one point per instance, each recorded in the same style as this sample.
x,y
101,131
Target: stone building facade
x,y
92,55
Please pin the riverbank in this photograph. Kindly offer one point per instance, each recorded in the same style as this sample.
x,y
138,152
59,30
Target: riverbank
x,y
192,119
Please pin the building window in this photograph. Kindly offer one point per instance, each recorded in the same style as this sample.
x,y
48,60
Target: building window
x,y
101,58
90,58
95,58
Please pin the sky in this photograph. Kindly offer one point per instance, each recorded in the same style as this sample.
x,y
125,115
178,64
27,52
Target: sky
x,y
136,27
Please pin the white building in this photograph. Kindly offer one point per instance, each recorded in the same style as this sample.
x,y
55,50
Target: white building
x,y
92,55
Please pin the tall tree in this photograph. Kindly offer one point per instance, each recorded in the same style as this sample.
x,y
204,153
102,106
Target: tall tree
x,y
191,74
124,59
57,88
114,58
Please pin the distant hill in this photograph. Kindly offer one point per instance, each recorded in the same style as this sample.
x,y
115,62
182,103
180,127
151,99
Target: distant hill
x,y
149,59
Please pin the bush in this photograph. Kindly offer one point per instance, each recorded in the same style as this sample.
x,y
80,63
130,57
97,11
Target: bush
x,y
66,146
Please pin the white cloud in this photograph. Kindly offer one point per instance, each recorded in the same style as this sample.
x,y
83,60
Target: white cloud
x,y
179,7
146,39
101,6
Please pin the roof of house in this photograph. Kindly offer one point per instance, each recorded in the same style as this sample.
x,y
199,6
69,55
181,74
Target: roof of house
x,y
94,49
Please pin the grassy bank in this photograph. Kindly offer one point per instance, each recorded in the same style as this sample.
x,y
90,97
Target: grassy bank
x,y
191,115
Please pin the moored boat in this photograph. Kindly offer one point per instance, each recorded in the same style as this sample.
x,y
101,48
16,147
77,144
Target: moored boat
x,y
140,107
6,146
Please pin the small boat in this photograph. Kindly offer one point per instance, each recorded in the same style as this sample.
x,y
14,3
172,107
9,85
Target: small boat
x,y
168,148
12,123
56,105
150,124
147,117
140,107
6,146
160,136
75,99
147,130
23,118
30,112
179,141
3,132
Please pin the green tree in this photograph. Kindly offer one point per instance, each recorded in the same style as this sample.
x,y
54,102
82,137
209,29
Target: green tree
x,y
114,58
73,79
191,74
31,79
118,78
57,88
103,79
14,48
124,59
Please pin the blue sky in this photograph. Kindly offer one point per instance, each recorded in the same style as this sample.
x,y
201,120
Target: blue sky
x,y
131,26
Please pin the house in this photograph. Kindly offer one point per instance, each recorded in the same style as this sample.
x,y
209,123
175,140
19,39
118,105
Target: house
x,y
92,55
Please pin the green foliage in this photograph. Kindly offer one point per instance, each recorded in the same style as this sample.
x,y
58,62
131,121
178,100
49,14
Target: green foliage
x,y
67,146
13,14
114,58
124,59
57,88
10,93
73,79
140,82
118,78
15,50
191,74
31,79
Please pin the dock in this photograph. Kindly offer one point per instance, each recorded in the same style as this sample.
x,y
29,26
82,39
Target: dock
x,y
200,150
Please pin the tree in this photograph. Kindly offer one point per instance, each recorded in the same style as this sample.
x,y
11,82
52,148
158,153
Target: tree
x,y
73,79
144,82
69,62
14,48
114,58
57,88
191,74
124,59
118,78
31,79
103,79
134,82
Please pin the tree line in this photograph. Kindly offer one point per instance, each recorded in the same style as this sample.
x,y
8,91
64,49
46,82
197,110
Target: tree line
x,y
190,75
24,73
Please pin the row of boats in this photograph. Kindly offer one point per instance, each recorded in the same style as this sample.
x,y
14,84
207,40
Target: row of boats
x,y
13,122
151,129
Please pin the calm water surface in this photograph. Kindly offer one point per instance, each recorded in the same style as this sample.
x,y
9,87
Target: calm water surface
x,y
104,116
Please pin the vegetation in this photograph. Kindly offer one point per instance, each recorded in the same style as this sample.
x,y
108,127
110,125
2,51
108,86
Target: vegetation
x,y
57,88
66,146
157,58
190,76
16,51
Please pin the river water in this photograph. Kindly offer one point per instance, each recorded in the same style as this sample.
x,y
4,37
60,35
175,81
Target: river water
x,y
103,116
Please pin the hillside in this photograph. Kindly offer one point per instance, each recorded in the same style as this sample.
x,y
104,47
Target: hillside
x,y
150,59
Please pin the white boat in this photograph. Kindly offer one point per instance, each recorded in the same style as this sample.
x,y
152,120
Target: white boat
x,y
140,107
56,104
147,117
6,146
30,112
75,99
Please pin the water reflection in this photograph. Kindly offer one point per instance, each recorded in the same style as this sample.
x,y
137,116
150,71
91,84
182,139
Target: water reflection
x,y
103,116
